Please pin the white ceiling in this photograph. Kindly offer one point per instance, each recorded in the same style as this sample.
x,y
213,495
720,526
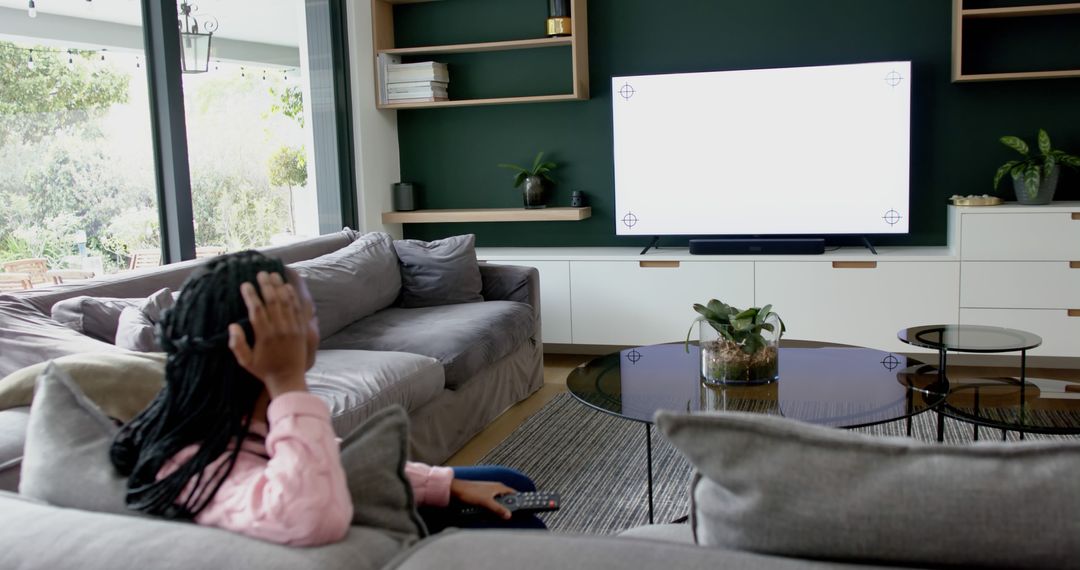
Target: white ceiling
x,y
265,21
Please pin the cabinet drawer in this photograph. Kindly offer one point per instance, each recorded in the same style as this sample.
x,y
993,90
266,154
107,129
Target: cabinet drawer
x,y
1020,285
1059,331
554,298
626,303
862,305
1046,236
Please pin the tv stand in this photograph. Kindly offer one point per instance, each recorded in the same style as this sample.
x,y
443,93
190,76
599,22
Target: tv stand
x,y
868,245
654,243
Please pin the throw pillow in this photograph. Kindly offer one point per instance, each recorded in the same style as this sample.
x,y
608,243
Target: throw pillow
x,y
441,272
137,327
92,316
778,486
66,458
120,383
27,336
374,457
352,282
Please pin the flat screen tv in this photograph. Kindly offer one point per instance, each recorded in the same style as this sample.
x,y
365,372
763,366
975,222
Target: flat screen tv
x,y
795,151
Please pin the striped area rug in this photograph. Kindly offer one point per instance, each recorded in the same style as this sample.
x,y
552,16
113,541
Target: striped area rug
x,y
597,462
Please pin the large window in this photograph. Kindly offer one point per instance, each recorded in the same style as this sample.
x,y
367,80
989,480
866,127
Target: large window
x,y
261,160
76,161
249,143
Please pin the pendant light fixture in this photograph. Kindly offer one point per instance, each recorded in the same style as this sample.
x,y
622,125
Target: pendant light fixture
x,y
196,32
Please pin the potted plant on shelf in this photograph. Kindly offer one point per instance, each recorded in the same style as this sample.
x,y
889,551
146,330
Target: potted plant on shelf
x,y
533,179
1035,177
738,347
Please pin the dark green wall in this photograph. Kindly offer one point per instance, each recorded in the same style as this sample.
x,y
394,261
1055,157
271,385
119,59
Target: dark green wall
x,y
452,152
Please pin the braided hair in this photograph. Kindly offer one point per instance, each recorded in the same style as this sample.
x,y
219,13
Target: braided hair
x,y
208,398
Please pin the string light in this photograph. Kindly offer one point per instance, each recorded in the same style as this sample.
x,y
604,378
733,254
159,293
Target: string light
x,y
32,9
264,72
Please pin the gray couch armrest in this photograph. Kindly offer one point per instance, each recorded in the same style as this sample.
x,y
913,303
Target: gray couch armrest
x,y
532,550
513,283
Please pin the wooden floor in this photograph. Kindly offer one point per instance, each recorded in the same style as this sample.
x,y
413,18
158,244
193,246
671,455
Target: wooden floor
x,y
558,366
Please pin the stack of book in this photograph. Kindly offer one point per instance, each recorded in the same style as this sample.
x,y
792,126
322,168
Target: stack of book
x,y
416,82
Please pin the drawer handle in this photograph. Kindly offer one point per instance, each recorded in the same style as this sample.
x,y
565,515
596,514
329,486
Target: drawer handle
x,y
1074,265
854,265
1072,388
1074,312
1076,215
658,263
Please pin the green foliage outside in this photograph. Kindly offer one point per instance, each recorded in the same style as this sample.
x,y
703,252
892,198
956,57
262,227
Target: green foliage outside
x,y
76,158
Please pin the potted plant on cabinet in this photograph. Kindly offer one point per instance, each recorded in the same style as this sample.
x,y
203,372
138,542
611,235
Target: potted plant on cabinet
x,y
1035,177
534,179
738,347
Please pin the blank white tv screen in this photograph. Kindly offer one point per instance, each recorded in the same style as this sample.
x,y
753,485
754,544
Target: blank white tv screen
x,y
807,150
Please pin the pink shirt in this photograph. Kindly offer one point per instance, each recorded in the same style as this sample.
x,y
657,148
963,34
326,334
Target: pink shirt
x,y
292,490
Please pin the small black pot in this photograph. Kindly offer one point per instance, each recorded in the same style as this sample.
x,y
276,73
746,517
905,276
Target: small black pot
x,y
533,193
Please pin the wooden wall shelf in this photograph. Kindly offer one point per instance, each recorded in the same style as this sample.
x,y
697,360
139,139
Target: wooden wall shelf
x,y
382,22
488,215
963,15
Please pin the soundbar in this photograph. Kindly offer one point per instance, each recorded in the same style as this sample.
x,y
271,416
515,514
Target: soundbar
x,y
766,246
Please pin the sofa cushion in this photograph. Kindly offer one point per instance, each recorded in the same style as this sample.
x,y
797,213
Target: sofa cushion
x,y
465,338
92,316
352,282
440,272
357,383
778,486
28,337
43,536
374,456
680,533
120,383
12,436
136,329
66,461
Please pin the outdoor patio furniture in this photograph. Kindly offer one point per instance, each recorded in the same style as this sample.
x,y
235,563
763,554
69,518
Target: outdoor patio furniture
x,y
15,281
208,251
145,258
36,268
58,276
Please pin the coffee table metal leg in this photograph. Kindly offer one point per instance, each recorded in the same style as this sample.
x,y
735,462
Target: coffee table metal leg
x,y
1023,388
942,362
648,459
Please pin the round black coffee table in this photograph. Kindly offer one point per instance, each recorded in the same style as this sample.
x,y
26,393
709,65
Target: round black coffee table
x,y
832,385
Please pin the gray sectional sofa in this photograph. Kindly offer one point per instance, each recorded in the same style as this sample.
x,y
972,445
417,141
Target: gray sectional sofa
x,y
454,368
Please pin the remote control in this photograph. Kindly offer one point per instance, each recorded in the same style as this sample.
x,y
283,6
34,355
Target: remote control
x,y
535,502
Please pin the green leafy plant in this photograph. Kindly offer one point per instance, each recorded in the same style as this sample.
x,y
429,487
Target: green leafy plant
x,y
1033,168
540,169
741,328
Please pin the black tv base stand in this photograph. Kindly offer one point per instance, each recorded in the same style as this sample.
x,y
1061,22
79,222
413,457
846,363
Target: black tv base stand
x,y
868,245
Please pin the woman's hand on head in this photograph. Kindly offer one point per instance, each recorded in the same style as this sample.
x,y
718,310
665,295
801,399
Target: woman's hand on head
x,y
279,357
481,494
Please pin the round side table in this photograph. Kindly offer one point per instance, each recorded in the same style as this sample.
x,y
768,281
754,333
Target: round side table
x,y
975,339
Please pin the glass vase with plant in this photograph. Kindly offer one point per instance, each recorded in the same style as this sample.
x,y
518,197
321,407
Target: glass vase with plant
x,y
738,346
534,179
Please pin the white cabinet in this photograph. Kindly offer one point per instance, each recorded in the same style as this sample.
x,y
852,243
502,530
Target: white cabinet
x,y
861,303
1020,268
1059,331
1013,266
554,297
648,302
1020,284
1009,233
